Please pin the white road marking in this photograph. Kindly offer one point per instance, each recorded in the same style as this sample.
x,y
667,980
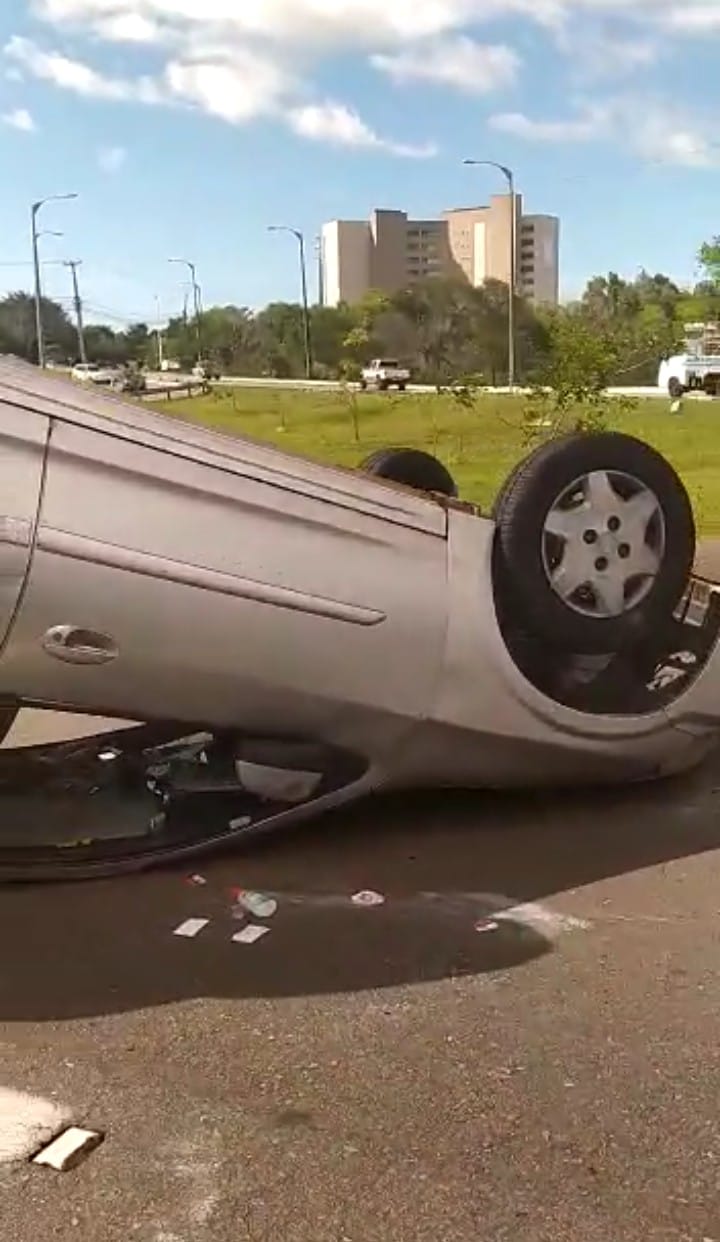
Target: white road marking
x,y
27,1123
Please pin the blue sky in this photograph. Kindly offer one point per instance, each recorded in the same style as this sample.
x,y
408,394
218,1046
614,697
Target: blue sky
x,y
188,126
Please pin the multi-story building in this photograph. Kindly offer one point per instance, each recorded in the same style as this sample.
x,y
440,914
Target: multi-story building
x,y
391,251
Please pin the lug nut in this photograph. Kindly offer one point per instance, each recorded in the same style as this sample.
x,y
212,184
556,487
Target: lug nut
x,y
614,524
601,564
590,536
624,550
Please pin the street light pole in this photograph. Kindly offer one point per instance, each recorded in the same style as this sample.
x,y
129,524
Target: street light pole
x,y
196,302
35,208
509,177
284,228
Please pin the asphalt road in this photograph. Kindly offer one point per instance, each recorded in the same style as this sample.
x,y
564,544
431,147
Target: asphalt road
x,y
386,1074
239,381
390,1072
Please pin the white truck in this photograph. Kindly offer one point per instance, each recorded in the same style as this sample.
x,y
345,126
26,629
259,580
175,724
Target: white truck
x,y
384,373
697,368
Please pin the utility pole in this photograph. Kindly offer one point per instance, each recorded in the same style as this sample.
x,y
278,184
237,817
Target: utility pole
x,y
74,264
196,303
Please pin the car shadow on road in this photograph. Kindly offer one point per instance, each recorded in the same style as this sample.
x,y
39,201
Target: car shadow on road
x,y
443,861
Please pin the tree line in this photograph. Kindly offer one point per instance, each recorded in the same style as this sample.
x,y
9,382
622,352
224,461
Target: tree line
x,y
442,329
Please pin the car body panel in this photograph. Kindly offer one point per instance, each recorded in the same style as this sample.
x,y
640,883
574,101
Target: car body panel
x,y
27,388
489,726
23,444
192,589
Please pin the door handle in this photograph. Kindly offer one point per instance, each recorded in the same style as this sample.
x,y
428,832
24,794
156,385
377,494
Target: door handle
x,y
75,645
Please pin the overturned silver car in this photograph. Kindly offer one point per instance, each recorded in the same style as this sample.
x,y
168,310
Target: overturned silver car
x,y
286,636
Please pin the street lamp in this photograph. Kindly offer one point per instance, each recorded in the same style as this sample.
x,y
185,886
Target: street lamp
x,y
284,228
35,208
196,301
509,177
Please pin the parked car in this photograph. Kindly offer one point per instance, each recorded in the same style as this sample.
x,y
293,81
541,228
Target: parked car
x,y
384,373
93,373
206,371
277,637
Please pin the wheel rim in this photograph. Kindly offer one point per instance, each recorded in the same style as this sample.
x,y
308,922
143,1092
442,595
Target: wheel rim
x,y
603,543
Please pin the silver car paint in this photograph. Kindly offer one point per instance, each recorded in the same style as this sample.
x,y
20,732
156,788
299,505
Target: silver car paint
x,y
178,573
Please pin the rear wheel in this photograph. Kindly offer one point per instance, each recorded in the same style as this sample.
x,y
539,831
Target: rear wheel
x,y
595,541
411,467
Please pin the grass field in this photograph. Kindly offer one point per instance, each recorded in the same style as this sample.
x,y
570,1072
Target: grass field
x,y
479,445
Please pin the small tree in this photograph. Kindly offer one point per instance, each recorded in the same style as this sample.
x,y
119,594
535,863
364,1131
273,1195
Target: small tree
x,y
571,392
709,259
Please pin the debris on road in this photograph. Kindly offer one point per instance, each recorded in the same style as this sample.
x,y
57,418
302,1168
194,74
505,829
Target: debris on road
x,y
368,898
198,880
257,904
250,934
244,821
68,1150
487,925
27,1122
191,927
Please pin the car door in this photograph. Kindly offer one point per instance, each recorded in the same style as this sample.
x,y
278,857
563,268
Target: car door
x,y
23,445
175,579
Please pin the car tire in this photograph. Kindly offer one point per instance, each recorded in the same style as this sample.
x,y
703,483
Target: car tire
x,y
675,388
582,485
411,467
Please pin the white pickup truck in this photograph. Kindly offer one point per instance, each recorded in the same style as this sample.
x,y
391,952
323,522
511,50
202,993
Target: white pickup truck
x,y
697,368
384,373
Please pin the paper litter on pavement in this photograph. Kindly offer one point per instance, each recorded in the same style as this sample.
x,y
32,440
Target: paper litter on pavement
x,y
191,927
250,934
368,898
257,904
68,1149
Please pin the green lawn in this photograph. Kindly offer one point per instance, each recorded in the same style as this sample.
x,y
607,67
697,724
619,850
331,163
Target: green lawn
x,y
478,445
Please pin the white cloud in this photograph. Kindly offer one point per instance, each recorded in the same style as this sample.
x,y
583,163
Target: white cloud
x,y
236,88
75,76
475,68
128,28
335,123
242,59
592,123
652,129
111,159
20,119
